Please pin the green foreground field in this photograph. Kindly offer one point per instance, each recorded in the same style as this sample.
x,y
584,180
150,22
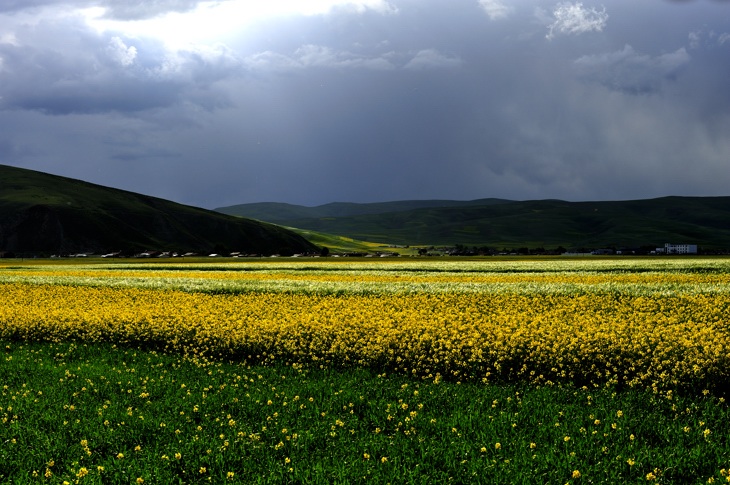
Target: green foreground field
x,y
76,413
94,390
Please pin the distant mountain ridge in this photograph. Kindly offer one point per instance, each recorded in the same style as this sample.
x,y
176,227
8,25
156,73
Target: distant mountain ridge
x,y
503,223
49,214
279,212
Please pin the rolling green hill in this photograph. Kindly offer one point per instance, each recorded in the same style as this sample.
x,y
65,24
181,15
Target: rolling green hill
x,y
44,213
704,221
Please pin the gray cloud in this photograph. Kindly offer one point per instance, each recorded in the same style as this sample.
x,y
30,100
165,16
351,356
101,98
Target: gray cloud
x,y
59,67
20,5
629,71
144,9
707,39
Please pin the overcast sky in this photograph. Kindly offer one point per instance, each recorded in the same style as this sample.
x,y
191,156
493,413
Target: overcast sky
x,y
215,103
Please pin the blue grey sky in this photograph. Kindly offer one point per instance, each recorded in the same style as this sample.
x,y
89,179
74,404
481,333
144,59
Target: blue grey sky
x,y
214,103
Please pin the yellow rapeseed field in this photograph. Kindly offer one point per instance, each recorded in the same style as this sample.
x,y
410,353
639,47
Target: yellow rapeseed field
x,y
587,323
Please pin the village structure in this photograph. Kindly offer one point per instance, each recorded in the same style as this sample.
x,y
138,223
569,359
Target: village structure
x,y
677,249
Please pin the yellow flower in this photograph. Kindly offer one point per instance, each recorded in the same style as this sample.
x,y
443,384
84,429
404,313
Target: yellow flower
x,y
497,446
576,474
384,459
140,480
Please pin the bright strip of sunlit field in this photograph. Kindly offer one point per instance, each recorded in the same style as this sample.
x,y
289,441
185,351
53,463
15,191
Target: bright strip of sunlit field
x,y
647,277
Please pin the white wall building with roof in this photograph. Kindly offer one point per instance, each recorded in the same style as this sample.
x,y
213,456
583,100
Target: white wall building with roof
x,y
678,249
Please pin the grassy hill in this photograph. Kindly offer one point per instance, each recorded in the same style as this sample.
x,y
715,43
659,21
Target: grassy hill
x,y
45,213
346,245
510,224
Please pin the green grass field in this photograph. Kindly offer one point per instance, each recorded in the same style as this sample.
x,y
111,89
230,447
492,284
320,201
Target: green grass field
x,y
82,413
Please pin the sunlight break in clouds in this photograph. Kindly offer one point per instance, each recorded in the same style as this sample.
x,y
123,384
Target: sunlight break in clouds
x,y
210,20
573,18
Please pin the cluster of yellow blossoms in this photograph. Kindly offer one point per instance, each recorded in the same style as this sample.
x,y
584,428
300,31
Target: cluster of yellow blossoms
x,y
660,329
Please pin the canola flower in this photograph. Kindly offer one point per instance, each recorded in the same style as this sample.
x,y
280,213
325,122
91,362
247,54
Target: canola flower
x,y
659,325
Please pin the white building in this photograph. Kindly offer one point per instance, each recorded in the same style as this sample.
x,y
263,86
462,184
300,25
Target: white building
x,y
677,249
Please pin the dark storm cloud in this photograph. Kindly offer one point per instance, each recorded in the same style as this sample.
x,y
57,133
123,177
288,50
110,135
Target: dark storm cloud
x,y
18,5
407,99
143,9
59,67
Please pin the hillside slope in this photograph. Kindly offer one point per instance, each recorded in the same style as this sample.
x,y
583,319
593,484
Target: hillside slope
x,y
46,213
541,223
